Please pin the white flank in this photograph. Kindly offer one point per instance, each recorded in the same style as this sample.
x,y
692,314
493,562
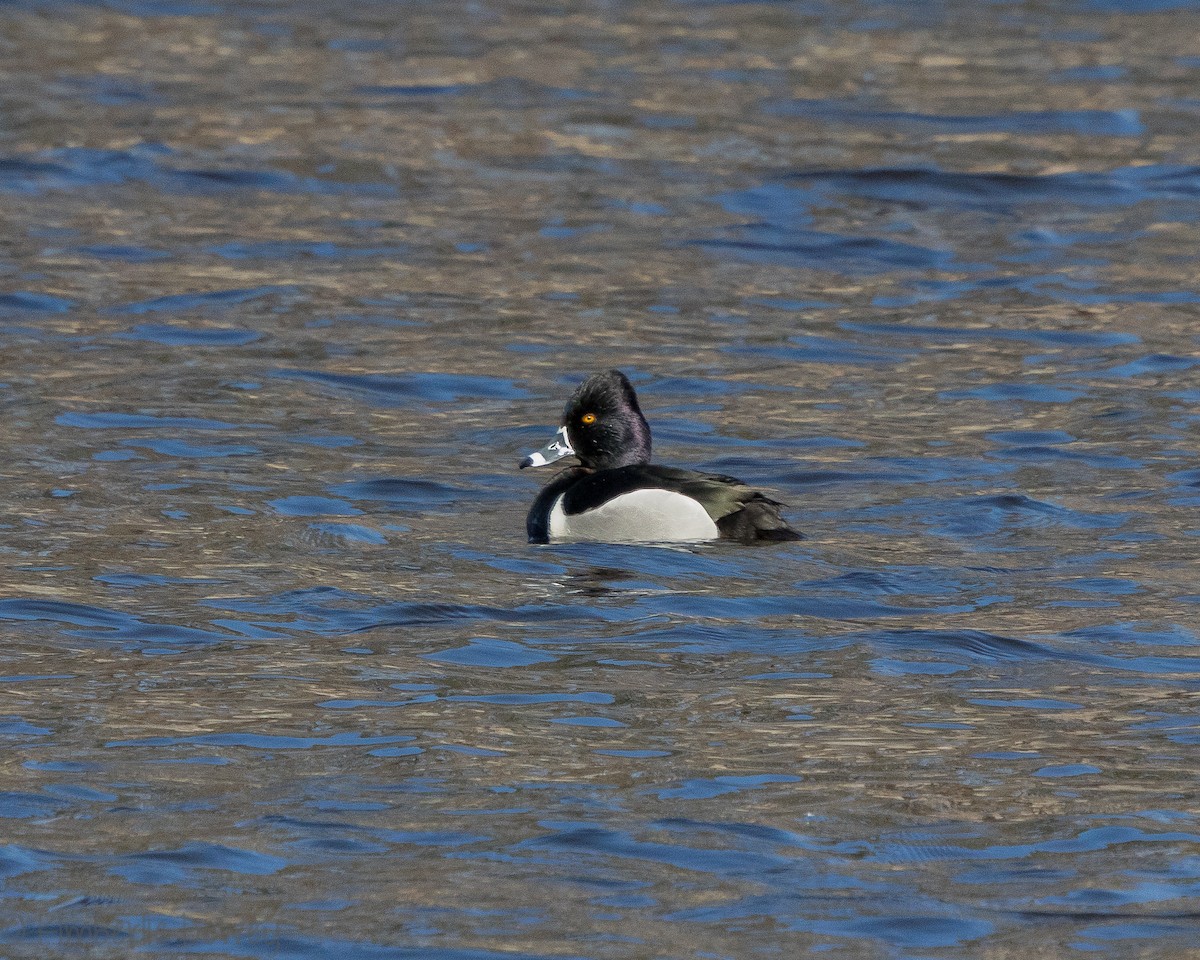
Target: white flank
x,y
643,516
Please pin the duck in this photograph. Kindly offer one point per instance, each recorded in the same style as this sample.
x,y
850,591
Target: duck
x,y
616,495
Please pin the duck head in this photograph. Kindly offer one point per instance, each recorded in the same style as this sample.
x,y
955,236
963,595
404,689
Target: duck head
x,y
602,425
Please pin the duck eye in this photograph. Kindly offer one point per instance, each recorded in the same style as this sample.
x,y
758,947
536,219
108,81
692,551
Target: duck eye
x,y
588,418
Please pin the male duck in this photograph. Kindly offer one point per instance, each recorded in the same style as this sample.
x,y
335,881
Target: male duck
x,y
617,495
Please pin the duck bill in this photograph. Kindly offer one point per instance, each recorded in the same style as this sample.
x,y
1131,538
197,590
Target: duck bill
x,y
556,449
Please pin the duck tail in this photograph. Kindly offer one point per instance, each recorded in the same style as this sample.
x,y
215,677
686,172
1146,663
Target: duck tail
x,y
759,519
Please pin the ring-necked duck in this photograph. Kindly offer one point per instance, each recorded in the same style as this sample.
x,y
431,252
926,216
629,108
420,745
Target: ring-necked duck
x,y
617,495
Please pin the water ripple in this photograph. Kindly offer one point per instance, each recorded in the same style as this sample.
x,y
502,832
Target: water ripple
x,y
402,390
107,626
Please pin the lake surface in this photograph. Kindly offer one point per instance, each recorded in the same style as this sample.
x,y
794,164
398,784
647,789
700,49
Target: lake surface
x,y
289,288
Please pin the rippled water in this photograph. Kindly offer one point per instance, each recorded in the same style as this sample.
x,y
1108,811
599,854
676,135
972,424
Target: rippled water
x,y
288,289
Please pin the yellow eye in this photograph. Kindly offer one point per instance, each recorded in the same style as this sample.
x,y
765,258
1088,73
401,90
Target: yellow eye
x,y
588,418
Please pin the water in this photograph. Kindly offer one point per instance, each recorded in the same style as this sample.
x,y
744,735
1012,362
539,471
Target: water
x,y
288,289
